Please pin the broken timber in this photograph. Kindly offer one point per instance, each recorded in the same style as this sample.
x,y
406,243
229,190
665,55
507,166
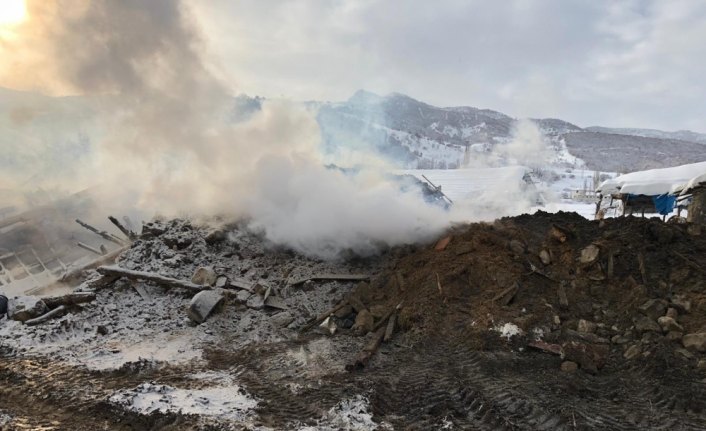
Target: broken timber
x,y
69,299
337,277
91,249
77,273
103,234
127,232
46,316
116,271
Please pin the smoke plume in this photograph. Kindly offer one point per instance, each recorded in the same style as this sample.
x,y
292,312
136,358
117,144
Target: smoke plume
x,y
165,146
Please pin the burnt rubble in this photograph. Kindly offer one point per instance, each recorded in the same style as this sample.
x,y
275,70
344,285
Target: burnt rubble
x,y
543,307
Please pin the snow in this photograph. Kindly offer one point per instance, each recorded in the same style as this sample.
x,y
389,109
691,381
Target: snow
x,y
229,401
654,181
349,414
508,330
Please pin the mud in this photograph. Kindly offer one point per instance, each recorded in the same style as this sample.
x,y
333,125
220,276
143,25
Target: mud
x,y
452,363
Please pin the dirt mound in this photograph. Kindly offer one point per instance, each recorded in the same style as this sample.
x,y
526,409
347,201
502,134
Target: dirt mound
x,y
586,288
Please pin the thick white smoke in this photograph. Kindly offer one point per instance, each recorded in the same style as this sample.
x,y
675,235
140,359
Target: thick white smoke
x,y
165,147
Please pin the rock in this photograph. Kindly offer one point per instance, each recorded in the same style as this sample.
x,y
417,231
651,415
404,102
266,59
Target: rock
x,y
256,302
654,308
669,324
205,276
329,325
589,255
586,326
650,337
569,366
203,304
545,257
682,303
674,335
591,357
275,302
632,352
517,247
364,322
701,365
221,281
282,319
645,324
23,308
177,241
696,341
215,235
672,312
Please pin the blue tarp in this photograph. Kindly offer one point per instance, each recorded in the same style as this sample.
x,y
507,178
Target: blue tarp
x,y
664,203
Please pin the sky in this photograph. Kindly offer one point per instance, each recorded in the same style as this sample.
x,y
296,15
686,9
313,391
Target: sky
x,y
616,63
634,63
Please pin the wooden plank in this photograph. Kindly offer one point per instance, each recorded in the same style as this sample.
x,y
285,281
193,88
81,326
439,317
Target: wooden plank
x,y
161,280
336,277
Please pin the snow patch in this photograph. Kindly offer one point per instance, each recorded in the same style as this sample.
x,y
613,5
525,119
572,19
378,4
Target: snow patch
x,y
231,402
508,330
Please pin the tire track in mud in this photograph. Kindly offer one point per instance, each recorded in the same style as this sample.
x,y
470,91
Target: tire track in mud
x,y
41,394
440,382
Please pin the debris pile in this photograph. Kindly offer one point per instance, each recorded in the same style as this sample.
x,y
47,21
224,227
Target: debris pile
x,y
576,288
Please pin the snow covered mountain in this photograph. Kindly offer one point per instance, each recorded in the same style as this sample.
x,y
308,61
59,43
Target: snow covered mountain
x,y
682,135
419,135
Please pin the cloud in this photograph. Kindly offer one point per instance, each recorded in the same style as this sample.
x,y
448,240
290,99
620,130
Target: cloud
x,y
590,62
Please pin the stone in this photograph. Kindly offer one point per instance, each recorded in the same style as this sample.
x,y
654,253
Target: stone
x,y
650,337
632,352
669,324
696,341
203,304
364,322
215,235
591,357
674,335
221,281
589,254
204,276
545,257
684,353
282,319
654,308
619,339
682,303
701,365
23,308
672,312
586,326
569,366
645,324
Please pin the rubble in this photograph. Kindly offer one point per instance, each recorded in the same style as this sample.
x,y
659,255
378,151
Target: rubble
x,y
205,276
22,308
203,304
3,306
695,341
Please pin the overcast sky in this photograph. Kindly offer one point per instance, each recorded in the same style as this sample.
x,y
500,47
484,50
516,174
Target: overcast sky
x,y
593,62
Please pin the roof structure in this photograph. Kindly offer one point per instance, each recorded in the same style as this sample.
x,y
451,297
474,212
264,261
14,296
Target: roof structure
x,y
654,182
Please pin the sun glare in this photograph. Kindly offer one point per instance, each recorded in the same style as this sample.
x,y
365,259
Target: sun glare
x,y
12,11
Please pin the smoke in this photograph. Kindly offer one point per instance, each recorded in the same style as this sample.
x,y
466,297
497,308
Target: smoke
x,y
165,147
527,146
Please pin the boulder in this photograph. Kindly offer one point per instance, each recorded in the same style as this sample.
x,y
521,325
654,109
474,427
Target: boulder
x,y
669,324
203,304
545,257
696,341
591,357
23,308
205,276
681,303
589,254
586,326
654,308
645,324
